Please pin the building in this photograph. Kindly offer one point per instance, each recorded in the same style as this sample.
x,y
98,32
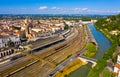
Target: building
x,y
15,39
4,41
5,52
117,67
28,26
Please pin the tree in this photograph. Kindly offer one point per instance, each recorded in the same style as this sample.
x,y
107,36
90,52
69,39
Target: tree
x,y
66,26
15,27
10,43
23,36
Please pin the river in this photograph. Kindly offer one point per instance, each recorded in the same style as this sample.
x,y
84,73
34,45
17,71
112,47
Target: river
x,y
103,45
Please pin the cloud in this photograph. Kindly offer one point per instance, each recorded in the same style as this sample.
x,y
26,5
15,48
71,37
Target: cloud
x,y
84,9
43,7
80,9
55,8
77,10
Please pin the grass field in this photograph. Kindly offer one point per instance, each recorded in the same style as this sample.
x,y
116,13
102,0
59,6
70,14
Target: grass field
x,y
69,68
91,50
81,71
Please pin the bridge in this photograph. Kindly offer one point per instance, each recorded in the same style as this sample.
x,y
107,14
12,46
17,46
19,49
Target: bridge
x,y
86,59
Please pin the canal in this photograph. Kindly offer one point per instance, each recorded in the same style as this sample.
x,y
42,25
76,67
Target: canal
x,y
103,45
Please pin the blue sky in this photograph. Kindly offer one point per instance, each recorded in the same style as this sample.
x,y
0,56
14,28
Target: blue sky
x,y
59,6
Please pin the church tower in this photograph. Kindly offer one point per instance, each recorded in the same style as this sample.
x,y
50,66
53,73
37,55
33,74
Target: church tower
x,y
27,22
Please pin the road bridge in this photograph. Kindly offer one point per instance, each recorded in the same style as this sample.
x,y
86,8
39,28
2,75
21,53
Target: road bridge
x,y
86,59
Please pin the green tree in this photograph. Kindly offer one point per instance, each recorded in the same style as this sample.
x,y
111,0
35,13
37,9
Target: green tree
x,y
15,27
10,43
23,36
66,26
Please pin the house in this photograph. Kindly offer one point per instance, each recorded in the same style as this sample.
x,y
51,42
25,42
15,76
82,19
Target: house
x,y
117,67
55,28
15,39
3,41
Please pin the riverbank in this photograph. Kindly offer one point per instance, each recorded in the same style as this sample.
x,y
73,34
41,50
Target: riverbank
x,y
113,41
91,50
102,62
103,43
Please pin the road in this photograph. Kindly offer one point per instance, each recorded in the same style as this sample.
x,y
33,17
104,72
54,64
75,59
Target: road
x,y
62,65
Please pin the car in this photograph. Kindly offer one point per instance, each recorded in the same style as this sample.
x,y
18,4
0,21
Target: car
x,y
77,54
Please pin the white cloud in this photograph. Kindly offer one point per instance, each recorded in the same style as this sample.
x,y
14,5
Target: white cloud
x,y
118,11
80,9
43,7
55,8
77,10
84,9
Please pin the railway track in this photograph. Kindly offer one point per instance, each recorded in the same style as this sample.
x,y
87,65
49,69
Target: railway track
x,y
59,49
69,44
53,59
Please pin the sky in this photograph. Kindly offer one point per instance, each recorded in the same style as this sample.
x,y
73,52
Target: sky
x,y
60,7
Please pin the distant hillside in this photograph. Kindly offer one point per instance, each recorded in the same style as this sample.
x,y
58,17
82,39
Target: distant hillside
x,y
110,23
111,26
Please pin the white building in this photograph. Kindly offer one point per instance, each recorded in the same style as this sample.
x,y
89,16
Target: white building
x,y
15,39
3,41
5,51
117,67
55,28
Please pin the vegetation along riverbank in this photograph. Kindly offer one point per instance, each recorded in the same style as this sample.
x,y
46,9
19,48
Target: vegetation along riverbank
x,y
110,27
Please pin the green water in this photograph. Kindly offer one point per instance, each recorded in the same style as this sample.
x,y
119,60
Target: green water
x,y
82,71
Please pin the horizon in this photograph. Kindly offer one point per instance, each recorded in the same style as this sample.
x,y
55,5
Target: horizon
x,y
83,7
